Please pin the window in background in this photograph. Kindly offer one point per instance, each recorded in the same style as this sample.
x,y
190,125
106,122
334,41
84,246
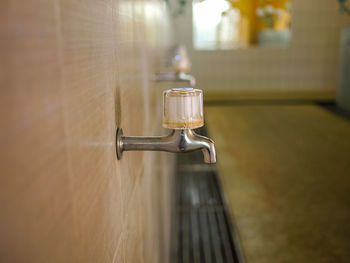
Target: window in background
x,y
230,24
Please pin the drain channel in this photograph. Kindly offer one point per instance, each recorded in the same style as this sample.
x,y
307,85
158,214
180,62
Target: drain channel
x,y
202,230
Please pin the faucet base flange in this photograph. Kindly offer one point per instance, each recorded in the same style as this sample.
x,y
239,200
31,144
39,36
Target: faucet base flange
x,y
119,143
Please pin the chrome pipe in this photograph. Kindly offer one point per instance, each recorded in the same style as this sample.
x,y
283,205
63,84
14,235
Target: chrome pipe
x,y
178,141
177,77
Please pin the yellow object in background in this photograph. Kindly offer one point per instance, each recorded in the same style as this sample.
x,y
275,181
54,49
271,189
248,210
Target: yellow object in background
x,y
283,21
248,20
251,24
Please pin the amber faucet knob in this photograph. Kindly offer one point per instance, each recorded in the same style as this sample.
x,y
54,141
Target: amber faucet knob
x,y
183,108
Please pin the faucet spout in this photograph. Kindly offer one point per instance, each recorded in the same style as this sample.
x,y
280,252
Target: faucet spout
x,y
208,149
179,141
198,142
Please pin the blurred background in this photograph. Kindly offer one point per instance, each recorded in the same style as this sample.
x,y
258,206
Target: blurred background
x,y
275,75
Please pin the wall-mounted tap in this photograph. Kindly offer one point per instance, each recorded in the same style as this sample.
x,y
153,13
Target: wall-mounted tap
x,y
183,112
177,141
181,65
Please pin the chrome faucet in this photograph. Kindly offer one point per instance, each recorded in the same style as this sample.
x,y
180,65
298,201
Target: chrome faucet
x,y
178,141
176,76
183,112
181,65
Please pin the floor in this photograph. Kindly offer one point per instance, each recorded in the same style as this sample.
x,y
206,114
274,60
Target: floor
x,y
285,171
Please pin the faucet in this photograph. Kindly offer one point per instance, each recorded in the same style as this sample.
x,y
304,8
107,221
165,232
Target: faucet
x,y
181,64
183,112
178,141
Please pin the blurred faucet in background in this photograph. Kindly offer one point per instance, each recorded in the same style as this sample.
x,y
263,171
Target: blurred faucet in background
x,y
181,66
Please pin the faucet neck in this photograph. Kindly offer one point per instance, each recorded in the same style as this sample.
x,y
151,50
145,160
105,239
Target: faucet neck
x,y
179,140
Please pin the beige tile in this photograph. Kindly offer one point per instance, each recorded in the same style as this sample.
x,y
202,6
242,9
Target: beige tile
x,y
71,71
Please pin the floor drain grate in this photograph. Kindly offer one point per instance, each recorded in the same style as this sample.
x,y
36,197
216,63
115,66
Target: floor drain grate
x,y
202,229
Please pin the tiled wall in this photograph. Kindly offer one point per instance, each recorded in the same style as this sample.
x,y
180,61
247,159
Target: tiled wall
x,y
310,63
71,72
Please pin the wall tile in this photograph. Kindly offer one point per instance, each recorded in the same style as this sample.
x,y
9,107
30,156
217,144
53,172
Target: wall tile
x,y
73,72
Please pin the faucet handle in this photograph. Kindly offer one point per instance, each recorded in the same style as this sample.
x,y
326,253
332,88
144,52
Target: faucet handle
x,y
183,108
181,61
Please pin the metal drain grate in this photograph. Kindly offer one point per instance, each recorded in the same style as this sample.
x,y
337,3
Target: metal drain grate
x,y
202,229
